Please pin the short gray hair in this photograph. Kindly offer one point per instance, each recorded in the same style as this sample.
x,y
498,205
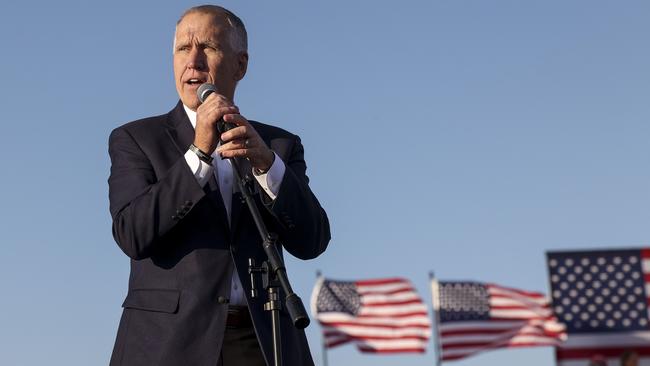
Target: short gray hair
x,y
237,34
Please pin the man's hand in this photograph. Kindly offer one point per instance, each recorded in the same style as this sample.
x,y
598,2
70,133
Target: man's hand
x,y
206,134
243,141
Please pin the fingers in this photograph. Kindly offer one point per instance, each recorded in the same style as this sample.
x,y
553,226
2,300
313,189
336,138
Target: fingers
x,y
212,110
243,141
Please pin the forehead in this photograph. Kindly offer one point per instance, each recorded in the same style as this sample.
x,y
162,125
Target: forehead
x,y
201,26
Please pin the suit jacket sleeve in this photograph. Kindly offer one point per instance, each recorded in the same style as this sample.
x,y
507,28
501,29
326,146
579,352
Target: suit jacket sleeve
x,y
145,206
304,227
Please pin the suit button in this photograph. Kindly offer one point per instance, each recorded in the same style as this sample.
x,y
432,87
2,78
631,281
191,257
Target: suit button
x,y
223,300
188,203
174,217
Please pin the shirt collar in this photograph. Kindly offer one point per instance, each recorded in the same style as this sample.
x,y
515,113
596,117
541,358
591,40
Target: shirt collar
x,y
191,115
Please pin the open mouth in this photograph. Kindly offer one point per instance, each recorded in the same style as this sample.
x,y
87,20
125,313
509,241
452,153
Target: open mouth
x,y
195,82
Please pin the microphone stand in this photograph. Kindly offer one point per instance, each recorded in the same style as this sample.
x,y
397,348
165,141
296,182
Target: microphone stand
x,y
272,270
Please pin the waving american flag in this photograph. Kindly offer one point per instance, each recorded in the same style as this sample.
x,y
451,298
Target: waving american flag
x,y
378,316
475,317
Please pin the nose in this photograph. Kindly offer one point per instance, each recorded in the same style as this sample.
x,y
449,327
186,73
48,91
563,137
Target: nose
x,y
196,59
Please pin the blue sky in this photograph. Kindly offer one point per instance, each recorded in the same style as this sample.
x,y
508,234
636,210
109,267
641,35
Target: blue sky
x,y
464,137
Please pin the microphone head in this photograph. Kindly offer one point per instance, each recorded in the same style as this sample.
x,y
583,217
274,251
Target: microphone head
x,y
204,90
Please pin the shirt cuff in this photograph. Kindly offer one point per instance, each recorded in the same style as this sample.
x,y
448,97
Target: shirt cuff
x,y
272,179
200,169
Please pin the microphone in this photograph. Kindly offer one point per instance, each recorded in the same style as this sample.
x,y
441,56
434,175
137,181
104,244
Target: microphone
x,y
203,92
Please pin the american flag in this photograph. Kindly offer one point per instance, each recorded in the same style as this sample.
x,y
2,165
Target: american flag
x,y
378,316
474,317
602,297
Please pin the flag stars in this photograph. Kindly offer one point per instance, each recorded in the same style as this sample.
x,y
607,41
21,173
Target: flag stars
x,y
599,292
575,309
338,296
626,268
607,292
591,308
571,277
463,301
634,314
555,278
631,299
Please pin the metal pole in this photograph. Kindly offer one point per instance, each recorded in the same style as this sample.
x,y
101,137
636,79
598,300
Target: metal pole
x,y
319,275
435,302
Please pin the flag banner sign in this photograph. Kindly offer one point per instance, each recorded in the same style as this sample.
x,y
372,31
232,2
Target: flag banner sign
x,y
378,316
602,298
473,317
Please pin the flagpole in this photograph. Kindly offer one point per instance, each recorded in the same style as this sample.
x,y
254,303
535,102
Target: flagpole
x,y
319,275
435,302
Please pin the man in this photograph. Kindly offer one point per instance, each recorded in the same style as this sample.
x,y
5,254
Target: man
x,y
629,358
178,214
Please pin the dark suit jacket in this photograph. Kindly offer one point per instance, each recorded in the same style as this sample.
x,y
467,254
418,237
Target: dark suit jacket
x,y
183,251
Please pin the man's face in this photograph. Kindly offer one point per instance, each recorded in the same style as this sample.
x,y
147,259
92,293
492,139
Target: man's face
x,y
203,54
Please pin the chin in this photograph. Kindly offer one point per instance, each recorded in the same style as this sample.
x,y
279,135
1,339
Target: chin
x,y
192,103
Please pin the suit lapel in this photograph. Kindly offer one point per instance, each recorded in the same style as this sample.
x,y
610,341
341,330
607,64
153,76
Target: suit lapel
x,y
181,132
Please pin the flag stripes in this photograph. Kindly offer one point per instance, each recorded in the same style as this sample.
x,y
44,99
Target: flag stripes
x,y
378,316
476,317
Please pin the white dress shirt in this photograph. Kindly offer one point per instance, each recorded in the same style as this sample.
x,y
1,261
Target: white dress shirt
x,y
222,169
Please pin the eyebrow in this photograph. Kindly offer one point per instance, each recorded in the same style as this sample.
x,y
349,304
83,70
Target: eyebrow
x,y
210,43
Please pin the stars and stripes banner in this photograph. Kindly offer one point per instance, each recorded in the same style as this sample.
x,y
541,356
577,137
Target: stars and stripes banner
x,y
473,317
602,297
378,316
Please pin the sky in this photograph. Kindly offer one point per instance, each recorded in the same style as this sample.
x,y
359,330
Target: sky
x,y
462,137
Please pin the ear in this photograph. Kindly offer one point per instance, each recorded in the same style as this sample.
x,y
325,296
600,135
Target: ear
x,y
242,65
